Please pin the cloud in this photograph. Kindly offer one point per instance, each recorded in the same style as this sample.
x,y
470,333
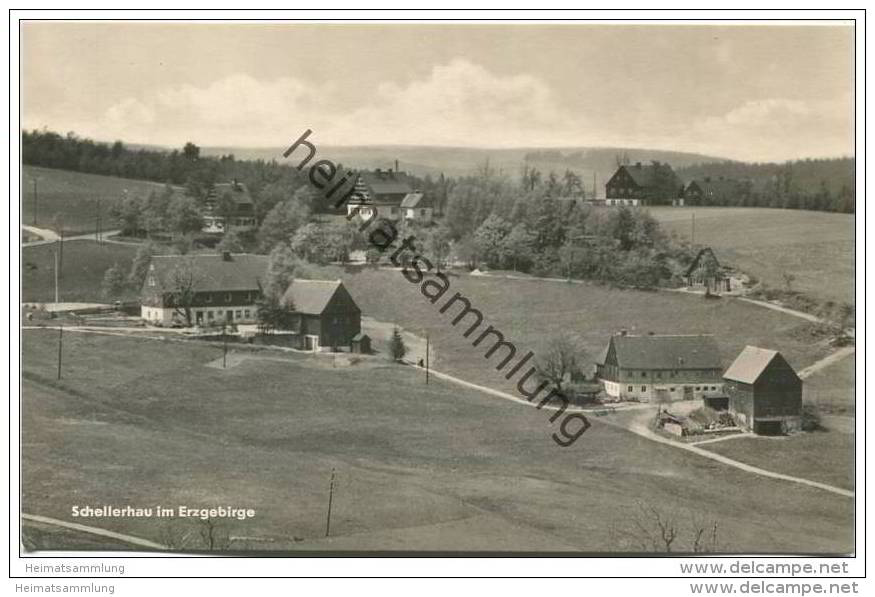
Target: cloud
x,y
456,103
777,129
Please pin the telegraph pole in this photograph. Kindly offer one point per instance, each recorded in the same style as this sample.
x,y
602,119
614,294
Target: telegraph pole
x,y
330,499
60,345
35,204
224,348
56,276
426,357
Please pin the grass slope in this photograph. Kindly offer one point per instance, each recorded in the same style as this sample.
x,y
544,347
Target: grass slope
x,y
73,196
816,247
85,263
418,467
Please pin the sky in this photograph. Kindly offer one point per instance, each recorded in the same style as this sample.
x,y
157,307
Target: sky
x,y
754,93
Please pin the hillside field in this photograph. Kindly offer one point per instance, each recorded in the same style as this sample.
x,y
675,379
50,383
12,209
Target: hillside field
x,y
82,270
73,197
816,247
146,423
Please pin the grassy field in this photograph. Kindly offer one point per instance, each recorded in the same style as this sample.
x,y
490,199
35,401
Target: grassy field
x,y
816,247
531,313
74,196
82,271
825,456
145,422
832,389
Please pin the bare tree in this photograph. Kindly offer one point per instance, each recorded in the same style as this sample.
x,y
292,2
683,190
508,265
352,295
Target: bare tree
x,y
648,528
563,359
180,288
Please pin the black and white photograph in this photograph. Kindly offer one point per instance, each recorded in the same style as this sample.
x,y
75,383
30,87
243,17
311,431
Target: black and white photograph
x,y
429,288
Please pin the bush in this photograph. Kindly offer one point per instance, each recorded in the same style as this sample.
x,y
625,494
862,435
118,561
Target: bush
x,y
811,418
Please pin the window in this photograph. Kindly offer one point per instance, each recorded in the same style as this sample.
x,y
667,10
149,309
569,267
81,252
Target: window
x,y
209,314
698,388
227,297
238,313
422,212
246,313
659,374
644,374
643,388
208,298
151,280
630,389
672,389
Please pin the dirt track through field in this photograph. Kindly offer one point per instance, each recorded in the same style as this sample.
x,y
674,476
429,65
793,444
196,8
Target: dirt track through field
x,y
94,531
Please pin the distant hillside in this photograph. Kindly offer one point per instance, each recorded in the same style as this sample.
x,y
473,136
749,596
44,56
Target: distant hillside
x,y
799,175
461,161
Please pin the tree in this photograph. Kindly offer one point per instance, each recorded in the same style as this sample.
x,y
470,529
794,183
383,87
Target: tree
x,y
312,242
516,248
282,266
281,223
184,215
788,281
230,243
647,528
437,246
563,359
128,213
154,210
489,239
397,349
180,288
114,281
140,265
191,151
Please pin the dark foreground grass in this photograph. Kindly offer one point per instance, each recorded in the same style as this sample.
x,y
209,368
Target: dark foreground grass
x,y
832,389
84,265
145,422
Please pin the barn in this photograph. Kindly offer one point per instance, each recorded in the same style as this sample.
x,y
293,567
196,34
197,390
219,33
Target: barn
x,y
765,393
328,317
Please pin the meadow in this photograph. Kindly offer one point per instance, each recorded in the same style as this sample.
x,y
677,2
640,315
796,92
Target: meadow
x,y
816,247
147,422
73,197
81,273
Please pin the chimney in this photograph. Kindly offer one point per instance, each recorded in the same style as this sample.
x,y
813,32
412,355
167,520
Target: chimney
x,y
226,256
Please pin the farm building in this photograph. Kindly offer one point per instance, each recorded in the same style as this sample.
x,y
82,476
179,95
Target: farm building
x,y
713,191
380,192
213,288
660,368
706,273
417,207
328,317
651,184
361,343
228,206
765,394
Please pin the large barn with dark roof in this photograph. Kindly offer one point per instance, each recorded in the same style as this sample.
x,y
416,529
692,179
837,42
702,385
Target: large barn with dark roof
x,y
643,184
765,393
327,314
660,368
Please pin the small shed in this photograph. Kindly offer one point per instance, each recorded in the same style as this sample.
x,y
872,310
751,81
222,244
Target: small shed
x,y
361,343
765,393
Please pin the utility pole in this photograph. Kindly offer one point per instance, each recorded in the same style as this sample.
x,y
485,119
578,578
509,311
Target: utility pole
x,y
693,233
60,345
56,275
35,204
426,357
224,348
330,499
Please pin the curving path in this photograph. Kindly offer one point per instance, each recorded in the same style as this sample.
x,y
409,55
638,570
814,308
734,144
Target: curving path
x,y
94,531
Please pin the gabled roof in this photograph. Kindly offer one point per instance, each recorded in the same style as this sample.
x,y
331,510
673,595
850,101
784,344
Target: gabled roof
x,y
416,200
237,190
718,187
702,253
211,273
386,182
667,352
311,297
648,175
750,364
